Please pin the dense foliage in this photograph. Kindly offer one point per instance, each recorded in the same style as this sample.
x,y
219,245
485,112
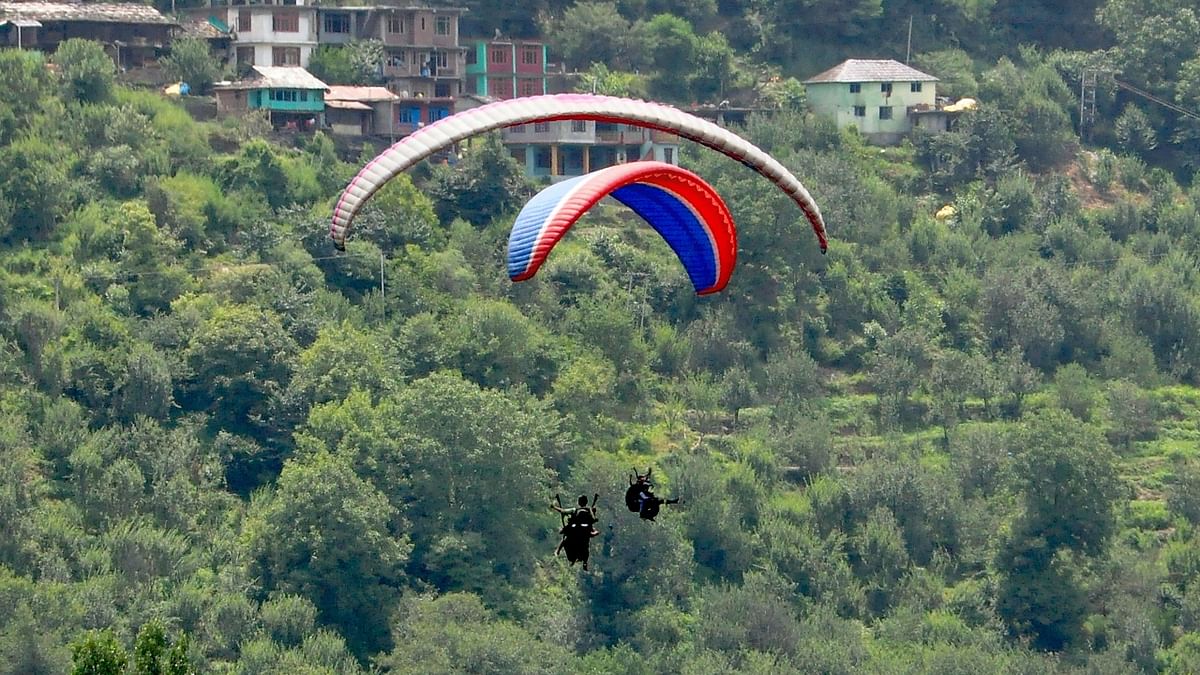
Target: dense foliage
x,y
963,444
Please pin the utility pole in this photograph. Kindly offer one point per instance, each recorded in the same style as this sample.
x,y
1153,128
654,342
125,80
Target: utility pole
x,y
382,289
1087,102
908,50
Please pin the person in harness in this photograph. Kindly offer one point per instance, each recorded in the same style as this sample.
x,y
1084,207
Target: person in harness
x,y
640,497
577,530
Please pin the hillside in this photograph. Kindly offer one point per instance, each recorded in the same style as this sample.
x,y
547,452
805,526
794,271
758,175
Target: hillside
x,y
953,445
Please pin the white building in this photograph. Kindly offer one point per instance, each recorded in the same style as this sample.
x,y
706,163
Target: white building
x,y
877,96
270,33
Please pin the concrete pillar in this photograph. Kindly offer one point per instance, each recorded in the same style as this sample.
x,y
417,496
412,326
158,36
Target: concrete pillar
x,y
554,160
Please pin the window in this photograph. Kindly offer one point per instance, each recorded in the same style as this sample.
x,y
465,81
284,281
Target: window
x,y
860,111
498,55
886,88
285,22
285,56
472,57
442,89
500,87
436,114
441,60
409,116
285,95
397,59
578,126
441,25
531,56
245,55
530,88
519,129
541,127
885,112
422,24
916,87
669,155
541,158
337,23
244,22
395,24
855,87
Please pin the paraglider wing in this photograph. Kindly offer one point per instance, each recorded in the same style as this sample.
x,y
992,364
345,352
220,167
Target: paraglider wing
x,y
685,210
455,128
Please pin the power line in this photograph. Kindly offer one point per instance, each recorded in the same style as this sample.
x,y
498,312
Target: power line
x,y
1166,104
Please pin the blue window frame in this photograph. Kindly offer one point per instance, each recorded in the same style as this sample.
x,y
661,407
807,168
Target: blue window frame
x,y
410,115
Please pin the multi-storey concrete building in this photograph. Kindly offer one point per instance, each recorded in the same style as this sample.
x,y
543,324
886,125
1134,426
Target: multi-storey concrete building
x,y
506,68
424,64
573,148
266,32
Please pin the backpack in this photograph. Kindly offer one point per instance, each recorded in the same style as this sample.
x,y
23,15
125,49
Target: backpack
x,y
633,500
581,517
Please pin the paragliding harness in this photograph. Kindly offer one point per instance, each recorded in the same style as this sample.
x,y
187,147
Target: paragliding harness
x,y
577,531
640,497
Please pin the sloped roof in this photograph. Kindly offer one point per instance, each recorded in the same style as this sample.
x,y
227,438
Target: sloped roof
x,y
347,105
96,12
871,70
339,92
278,77
204,29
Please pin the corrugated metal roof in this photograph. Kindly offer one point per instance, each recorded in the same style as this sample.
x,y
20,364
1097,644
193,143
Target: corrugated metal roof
x,y
277,77
97,12
871,70
347,105
339,92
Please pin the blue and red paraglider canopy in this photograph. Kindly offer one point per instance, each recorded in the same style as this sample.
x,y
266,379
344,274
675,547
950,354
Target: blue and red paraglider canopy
x,y
678,204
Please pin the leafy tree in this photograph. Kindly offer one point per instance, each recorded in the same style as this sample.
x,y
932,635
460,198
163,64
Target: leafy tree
x,y
455,633
594,32
953,68
98,653
1069,483
349,561
25,87
715,72
151,655
36,186
1077,391
486,183
1132,412
1183,493
334,64
599,79
671,44
1134,131
191,61
88,73
238,357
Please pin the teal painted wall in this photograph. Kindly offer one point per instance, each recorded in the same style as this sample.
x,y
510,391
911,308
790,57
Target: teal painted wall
x,y
307,100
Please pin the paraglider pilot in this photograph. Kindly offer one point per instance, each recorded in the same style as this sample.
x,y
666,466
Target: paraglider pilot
x,y
578,528
640,497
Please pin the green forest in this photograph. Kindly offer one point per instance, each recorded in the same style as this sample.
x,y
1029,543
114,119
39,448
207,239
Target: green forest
x,y
950,445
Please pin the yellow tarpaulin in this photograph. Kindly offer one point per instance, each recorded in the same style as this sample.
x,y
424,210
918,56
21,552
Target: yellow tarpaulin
x,y
962,104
